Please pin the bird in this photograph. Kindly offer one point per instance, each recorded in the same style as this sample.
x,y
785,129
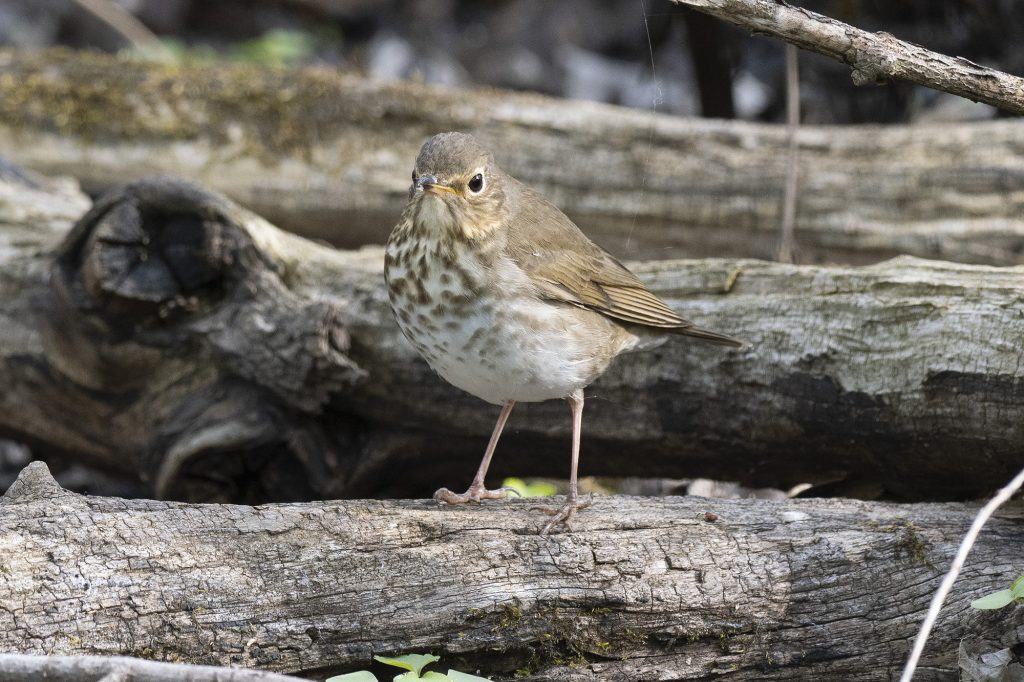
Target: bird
x,y
508,300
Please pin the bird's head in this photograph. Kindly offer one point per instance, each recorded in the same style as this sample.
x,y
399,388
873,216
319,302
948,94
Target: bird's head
x,y
456,188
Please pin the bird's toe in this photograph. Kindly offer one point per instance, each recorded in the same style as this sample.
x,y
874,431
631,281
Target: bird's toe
x,y
474,494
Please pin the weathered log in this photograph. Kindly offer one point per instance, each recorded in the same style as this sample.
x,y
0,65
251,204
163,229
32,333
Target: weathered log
x,y
181,338
643,589
35,211
29,668
329,155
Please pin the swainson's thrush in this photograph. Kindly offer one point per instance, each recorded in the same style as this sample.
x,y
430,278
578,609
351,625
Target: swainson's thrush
x,y
507,299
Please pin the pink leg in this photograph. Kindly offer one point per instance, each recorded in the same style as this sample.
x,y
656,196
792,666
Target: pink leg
x,y
477,491
564,515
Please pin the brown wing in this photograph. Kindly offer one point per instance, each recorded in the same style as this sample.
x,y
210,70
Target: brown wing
x,y
566,266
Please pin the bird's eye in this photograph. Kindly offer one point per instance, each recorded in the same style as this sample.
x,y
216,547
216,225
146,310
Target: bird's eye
x,y
476,183
414,176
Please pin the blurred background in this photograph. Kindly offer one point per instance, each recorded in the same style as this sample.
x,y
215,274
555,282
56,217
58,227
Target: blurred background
x,y
637,53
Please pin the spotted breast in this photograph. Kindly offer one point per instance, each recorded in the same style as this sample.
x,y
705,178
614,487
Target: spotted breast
x,y
476,319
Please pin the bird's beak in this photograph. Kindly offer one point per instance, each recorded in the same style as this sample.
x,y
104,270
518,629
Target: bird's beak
x,y
429,183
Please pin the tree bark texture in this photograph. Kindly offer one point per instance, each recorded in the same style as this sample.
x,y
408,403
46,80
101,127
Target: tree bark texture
x,y
643,589
33,668
329,155
874,57
176,336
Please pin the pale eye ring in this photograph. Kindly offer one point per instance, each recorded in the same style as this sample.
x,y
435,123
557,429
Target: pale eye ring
x,y
476,183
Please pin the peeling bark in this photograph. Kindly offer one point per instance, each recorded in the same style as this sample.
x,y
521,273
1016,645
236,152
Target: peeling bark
x,y
642,589
176,336
328,155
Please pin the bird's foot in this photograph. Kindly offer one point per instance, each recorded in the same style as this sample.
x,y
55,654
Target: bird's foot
x,y
561,516
476,493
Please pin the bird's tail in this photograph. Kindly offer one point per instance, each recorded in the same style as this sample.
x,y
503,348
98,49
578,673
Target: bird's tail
x,y
712,337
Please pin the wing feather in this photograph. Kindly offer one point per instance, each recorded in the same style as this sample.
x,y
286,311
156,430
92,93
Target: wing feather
x,y
566,266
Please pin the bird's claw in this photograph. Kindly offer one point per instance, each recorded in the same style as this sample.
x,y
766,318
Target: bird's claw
x,y
474,494
561,516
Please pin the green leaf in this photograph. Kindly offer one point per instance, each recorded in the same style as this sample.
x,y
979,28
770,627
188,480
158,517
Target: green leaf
x,y
438,677
277,47
1017,589
996,600
361,676
413,662
535,489
456,676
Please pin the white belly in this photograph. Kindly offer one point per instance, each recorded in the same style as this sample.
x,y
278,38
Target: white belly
x,y
520,348
519,351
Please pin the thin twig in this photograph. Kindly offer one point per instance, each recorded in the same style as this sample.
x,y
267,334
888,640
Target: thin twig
x,y
786,243
124,23
874,57
966,544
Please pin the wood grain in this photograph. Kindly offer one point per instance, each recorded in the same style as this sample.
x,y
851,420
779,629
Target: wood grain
x,y
642,589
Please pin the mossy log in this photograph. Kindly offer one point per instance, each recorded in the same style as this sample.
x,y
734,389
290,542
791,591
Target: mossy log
x,y
328,155
179,338
642,589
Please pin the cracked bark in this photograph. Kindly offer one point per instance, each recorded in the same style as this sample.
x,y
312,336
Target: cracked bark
x,y
177,337
328,155
29,668
642,589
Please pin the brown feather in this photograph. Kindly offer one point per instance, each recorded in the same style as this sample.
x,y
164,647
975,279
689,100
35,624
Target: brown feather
x,y
566,266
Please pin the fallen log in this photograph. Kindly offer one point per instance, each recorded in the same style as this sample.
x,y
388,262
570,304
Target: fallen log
x,y
328,155
178,337
28,668
643,589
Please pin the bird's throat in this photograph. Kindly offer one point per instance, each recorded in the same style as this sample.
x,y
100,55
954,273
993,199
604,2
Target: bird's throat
x,y
439,218
434,217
